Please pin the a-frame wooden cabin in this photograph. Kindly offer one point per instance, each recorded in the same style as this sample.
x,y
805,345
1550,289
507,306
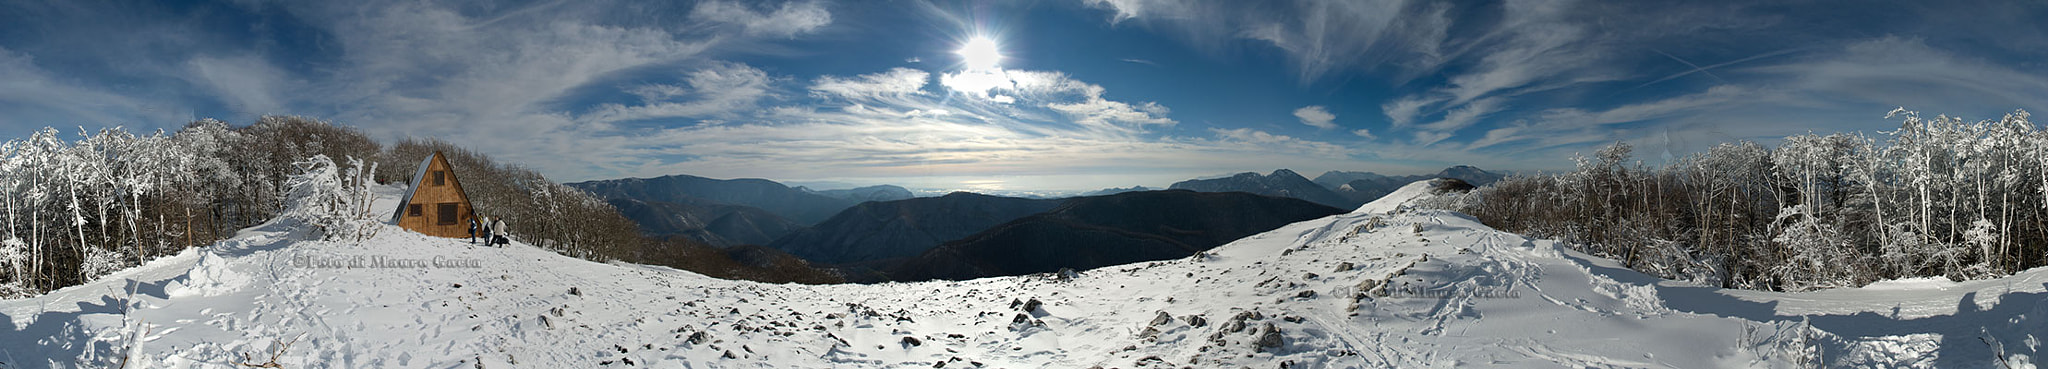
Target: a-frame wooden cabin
x,y
435,205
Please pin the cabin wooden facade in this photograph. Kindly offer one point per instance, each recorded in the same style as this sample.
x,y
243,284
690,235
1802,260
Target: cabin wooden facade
x,y
435,205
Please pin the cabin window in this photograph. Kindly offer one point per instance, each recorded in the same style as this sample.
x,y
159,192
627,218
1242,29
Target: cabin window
x,y
412,210
444,213
440,178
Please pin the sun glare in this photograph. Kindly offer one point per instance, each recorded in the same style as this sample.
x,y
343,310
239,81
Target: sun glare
x,y
980,53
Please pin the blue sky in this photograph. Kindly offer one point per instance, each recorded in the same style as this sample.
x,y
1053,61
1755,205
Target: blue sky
x,y
1087,94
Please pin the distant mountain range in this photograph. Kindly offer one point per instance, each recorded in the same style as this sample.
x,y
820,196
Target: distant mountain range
x,y
905,228
1113,191
1090,232
798,205
726,212
1281,183
715,224
869,193
1334,188
882,233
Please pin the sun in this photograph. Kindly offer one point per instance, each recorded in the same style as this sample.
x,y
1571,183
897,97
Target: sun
x,y
980,53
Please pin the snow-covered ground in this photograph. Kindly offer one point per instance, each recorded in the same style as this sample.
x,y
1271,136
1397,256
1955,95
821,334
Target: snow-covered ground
x,y
1382,287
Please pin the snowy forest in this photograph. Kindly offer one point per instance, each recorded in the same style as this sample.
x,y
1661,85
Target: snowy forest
x,y
78,209
1936,197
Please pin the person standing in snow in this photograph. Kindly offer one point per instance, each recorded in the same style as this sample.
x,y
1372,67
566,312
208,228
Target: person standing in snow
x,y
498,232
484,230
472,231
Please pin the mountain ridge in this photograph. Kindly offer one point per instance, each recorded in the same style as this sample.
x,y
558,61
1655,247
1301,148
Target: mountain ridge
x,y
864,194
797,205
903,228
718,225
1279,183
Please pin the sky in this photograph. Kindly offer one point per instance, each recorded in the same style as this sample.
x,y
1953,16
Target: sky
x,y
1025,95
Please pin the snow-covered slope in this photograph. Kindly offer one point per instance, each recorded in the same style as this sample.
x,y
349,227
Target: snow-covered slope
x,y
1366,289
1406,196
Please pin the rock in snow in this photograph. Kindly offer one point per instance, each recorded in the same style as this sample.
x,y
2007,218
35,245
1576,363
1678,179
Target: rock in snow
x,y
1483,298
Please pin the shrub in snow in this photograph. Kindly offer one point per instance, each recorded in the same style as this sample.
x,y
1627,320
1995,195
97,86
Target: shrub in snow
x,y
1912,253
1818,254
1982,237
335,201
99,262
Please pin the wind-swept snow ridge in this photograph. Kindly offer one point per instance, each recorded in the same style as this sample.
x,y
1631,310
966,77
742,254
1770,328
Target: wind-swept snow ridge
x,y
1370,289
1404,197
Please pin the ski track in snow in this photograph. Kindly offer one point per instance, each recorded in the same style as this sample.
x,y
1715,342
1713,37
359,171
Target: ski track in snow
x,y
1456,293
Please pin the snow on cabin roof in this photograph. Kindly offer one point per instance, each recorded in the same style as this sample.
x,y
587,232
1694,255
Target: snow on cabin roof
x,y
417,175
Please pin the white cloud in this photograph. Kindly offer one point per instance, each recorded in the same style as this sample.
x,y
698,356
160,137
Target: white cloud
x,y
1714,98
1361,132
1318,36
1247,139
1403,111
792,19
910,140
251,85
420,70
1894,71
1080,102
505,85
517,87
1054,125
1125,9
1503,134
1678,124
1843,90
1103,113
895,82
977,83
1485,66
1426,138
1464,116
657,91
1316,116
46,100
722,88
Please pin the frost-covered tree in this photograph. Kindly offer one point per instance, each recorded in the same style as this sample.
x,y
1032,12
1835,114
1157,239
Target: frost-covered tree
x,y
332,199
14,257
1938,196
1816,253
77,209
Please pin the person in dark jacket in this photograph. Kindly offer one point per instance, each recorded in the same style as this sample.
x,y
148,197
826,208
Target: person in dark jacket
x,y
472,230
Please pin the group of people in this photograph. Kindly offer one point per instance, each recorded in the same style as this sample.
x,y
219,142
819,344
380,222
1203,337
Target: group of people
x,y
493,232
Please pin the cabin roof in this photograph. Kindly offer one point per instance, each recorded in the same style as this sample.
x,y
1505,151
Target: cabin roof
x,y
417,176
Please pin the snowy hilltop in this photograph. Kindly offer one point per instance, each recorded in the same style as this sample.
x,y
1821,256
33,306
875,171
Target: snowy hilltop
x,y
1385,286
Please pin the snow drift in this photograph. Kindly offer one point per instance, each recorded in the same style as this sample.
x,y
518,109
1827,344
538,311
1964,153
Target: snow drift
x,y
1384,286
